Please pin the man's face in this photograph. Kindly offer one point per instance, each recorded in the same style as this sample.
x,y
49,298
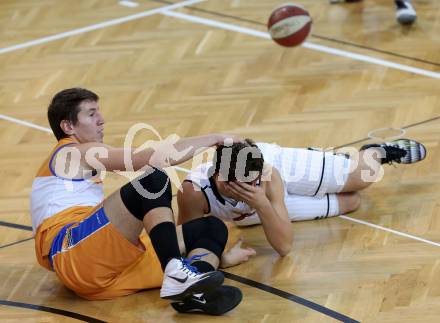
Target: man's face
x,y
90,125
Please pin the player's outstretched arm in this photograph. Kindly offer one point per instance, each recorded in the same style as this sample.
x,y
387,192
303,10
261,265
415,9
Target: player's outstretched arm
x,y
99,156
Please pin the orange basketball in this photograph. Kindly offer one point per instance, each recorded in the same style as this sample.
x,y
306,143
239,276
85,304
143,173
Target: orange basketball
x,y
289,25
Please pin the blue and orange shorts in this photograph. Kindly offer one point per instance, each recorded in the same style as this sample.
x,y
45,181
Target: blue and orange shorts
x,y
92,258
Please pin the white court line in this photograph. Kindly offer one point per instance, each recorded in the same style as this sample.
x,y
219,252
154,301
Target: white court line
x,y
213,23
406,235
101,25
127,3
182,169
25,123
320,48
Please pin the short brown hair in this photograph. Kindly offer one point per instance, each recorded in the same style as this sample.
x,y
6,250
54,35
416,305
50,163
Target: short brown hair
x,y
250,164
65,106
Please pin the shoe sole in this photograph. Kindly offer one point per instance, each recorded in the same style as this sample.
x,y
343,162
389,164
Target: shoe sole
x,y
406,19
206,285
236,299
412,143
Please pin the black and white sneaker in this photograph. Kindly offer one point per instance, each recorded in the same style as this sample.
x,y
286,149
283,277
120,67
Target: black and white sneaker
x,y
402,151
405,12
182,280
217,302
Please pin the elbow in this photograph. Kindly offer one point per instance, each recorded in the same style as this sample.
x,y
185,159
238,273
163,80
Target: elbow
x,y
285,247
284,250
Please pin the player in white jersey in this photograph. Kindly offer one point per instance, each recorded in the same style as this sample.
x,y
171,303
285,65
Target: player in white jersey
x,y
301,184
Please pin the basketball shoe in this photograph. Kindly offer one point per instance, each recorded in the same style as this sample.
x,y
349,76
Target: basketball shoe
x,y
405,12
182,280
216,302
402,151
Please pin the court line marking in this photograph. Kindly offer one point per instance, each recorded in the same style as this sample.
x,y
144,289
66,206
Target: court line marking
x,y
127,3
316,47
252,283
329,39
25,123
185,170
166,10
291,297
97,26
16,242
15,226
77,316
402,234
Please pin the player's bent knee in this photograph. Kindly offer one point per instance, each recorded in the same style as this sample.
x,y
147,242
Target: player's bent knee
x,y
355,201
218,230
147,192
208,233
349,202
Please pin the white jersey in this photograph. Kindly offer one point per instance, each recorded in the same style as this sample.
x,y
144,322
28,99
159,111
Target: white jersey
x,y
52,194
220,206
310,178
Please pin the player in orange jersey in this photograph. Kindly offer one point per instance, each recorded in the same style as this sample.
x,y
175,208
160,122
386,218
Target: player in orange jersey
x,y
94,244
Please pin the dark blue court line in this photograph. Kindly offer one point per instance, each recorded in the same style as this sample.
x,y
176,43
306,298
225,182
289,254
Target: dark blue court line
x,y
291,297
16,242
243,280
77,316
15,226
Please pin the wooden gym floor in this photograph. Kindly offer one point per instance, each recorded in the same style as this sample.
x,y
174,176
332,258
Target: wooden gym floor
x,y
207,66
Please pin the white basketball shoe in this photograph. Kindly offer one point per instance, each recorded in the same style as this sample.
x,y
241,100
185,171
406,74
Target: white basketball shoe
x,y
182,280
405,12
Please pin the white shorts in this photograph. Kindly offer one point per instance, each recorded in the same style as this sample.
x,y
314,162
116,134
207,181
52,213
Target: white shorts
x,y
302,208
308,172
311,180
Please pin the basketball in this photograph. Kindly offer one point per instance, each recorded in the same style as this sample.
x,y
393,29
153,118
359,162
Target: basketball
x,y
289,25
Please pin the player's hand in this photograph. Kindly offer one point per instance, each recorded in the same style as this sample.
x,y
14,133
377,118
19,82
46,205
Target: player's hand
x,y
252,195
236,255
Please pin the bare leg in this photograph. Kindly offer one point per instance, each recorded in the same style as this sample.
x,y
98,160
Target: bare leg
x,y
210,258
367,171
130,227
348,202
156,216
125,209
121,218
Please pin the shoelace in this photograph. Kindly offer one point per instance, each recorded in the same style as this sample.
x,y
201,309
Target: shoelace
x,y
187,264
397,147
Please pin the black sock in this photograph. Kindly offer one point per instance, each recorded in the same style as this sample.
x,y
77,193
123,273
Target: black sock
x,y
164,240
203,266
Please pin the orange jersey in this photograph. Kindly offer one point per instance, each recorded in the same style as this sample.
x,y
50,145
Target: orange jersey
x,y
74,238
53,193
